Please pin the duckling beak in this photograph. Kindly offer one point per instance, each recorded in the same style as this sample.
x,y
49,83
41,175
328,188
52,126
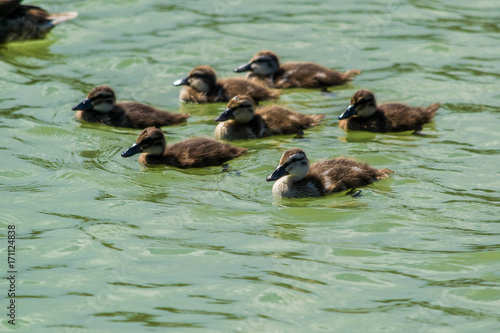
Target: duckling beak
x,y
85,105
182,82
226,115
277,174
244,68
351,111
134,149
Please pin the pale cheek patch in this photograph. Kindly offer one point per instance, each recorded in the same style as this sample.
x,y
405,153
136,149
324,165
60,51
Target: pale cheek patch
x,y
321,75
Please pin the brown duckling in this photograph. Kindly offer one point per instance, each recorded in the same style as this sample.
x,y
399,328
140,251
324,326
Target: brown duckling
x,y
19,22
190,153
240,121
365,115
296,179
202,86
265,67
101,107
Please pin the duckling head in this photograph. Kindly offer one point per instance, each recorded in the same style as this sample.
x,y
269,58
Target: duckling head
x,y
293,164
264,63
241,108
151,141
101,98
201,78
363,104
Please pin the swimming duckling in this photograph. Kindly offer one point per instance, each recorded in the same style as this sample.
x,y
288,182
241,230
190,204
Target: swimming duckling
x,y
101,107
202,86
190,153
19,22
265,67
295,179
365,115
240,121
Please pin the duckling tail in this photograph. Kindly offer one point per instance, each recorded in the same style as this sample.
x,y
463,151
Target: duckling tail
x,y
383,173
57,18
432,109
275,94
350,74
317,118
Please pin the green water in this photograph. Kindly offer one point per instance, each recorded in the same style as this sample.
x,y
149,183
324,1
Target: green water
x,y
107,245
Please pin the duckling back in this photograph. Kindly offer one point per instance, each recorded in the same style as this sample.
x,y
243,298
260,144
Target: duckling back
x,y
310,75
343,173
281,121
195,153
402,118
142,116
238,86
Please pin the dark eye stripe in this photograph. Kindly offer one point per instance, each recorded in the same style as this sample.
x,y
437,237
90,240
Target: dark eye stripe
x,y
100,96
199,75
262,60
363,102
293,161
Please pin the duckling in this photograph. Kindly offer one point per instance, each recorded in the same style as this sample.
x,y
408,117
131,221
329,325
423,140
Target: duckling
x,y
203,87
19,22
190,153
265,67
295,179
365,115
240,121
101,107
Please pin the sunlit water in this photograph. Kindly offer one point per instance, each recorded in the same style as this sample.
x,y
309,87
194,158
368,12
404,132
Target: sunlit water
x,y
105,244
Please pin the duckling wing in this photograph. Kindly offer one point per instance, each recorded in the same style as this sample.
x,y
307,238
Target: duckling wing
x,y
343,173
406,118
307,75
238,86
142,116
201,152
280,120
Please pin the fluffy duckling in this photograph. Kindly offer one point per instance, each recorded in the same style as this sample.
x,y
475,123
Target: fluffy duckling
x,y
240,121
202,86
101,107
19,22
265,67
296,179
365,115
190,153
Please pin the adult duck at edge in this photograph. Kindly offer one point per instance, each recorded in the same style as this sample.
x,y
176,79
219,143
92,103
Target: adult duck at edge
x,y
23,22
